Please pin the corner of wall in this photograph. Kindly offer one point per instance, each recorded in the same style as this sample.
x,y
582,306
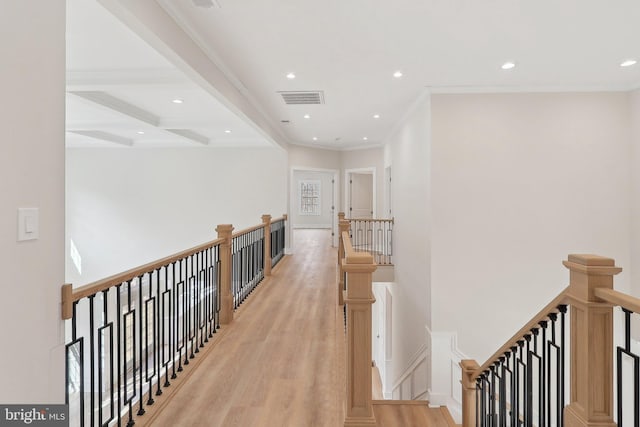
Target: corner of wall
x,y
445,388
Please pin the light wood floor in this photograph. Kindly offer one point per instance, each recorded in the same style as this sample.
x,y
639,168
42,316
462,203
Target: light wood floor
x,y
281,362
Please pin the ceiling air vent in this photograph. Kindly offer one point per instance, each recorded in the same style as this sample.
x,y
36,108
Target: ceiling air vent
x,y
303,98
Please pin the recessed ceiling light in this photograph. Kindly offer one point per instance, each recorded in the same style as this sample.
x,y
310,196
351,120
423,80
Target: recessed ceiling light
x,y
315,138
227,131
365,138
397,74
140,132
376,116
306,116
291,76
628,63
508,65
177,101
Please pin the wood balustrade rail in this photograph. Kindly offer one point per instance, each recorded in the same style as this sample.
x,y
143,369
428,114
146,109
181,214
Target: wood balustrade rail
x,y
619,299
133,333
534,323
70,295
247,230
372,235
492,391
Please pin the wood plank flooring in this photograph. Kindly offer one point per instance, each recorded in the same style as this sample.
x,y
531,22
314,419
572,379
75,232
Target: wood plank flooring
x,y
408,413
280,363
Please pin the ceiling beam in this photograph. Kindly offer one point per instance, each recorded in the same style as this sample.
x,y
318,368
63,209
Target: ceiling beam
x,y
107,79
150,21
119,106
104,136
189,134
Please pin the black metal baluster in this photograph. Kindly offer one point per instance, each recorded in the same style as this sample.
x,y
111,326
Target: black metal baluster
x,y
492,396
626,350
563,311
120,340
157,344
202,289
502,391
218,290
196,305
131,313
528,406
208,294
521,384
92,362
141,410
150,301
544,384
166,328
191,307
106,326
176,318
513,396
80,357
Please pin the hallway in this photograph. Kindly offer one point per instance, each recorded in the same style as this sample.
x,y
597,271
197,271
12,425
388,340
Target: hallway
x,y
273,366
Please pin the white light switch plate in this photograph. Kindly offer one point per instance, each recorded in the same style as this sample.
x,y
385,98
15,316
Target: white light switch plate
x,y
28,224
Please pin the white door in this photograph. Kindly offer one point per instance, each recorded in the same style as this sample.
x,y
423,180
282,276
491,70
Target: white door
x,y
361,195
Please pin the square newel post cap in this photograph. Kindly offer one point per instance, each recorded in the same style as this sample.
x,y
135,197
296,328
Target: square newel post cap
x,y
266,219
224,230
588,272
469,367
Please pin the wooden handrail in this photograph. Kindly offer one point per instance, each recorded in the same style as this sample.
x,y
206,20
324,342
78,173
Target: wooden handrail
x,y
282,218
391,220
562,298
116,279
592,298
348,247
618,298
247,230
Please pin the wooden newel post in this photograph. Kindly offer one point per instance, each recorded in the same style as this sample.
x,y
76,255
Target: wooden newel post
x,y
343,226
591,397
226,301
359,410
266,220
469,412
340,216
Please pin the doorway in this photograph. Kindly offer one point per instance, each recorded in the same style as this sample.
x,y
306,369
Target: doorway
x,y
360,193
313,199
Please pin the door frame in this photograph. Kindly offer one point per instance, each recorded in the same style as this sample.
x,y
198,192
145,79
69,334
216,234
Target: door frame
x,y
293,188
347,188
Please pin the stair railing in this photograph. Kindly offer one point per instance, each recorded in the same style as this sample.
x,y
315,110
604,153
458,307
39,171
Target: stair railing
x,y
372,235
524,382
357,268
133,333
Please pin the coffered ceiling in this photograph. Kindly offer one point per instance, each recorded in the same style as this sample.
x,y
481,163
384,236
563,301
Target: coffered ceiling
x,y
346,52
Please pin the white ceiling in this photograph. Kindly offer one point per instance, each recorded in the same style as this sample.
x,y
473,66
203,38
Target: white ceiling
x,y
117,87
348,49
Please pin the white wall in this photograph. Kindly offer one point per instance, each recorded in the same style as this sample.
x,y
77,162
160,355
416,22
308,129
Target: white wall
x,y
315,158
634,114
129,206
325,219
408,153
32,175
518,182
